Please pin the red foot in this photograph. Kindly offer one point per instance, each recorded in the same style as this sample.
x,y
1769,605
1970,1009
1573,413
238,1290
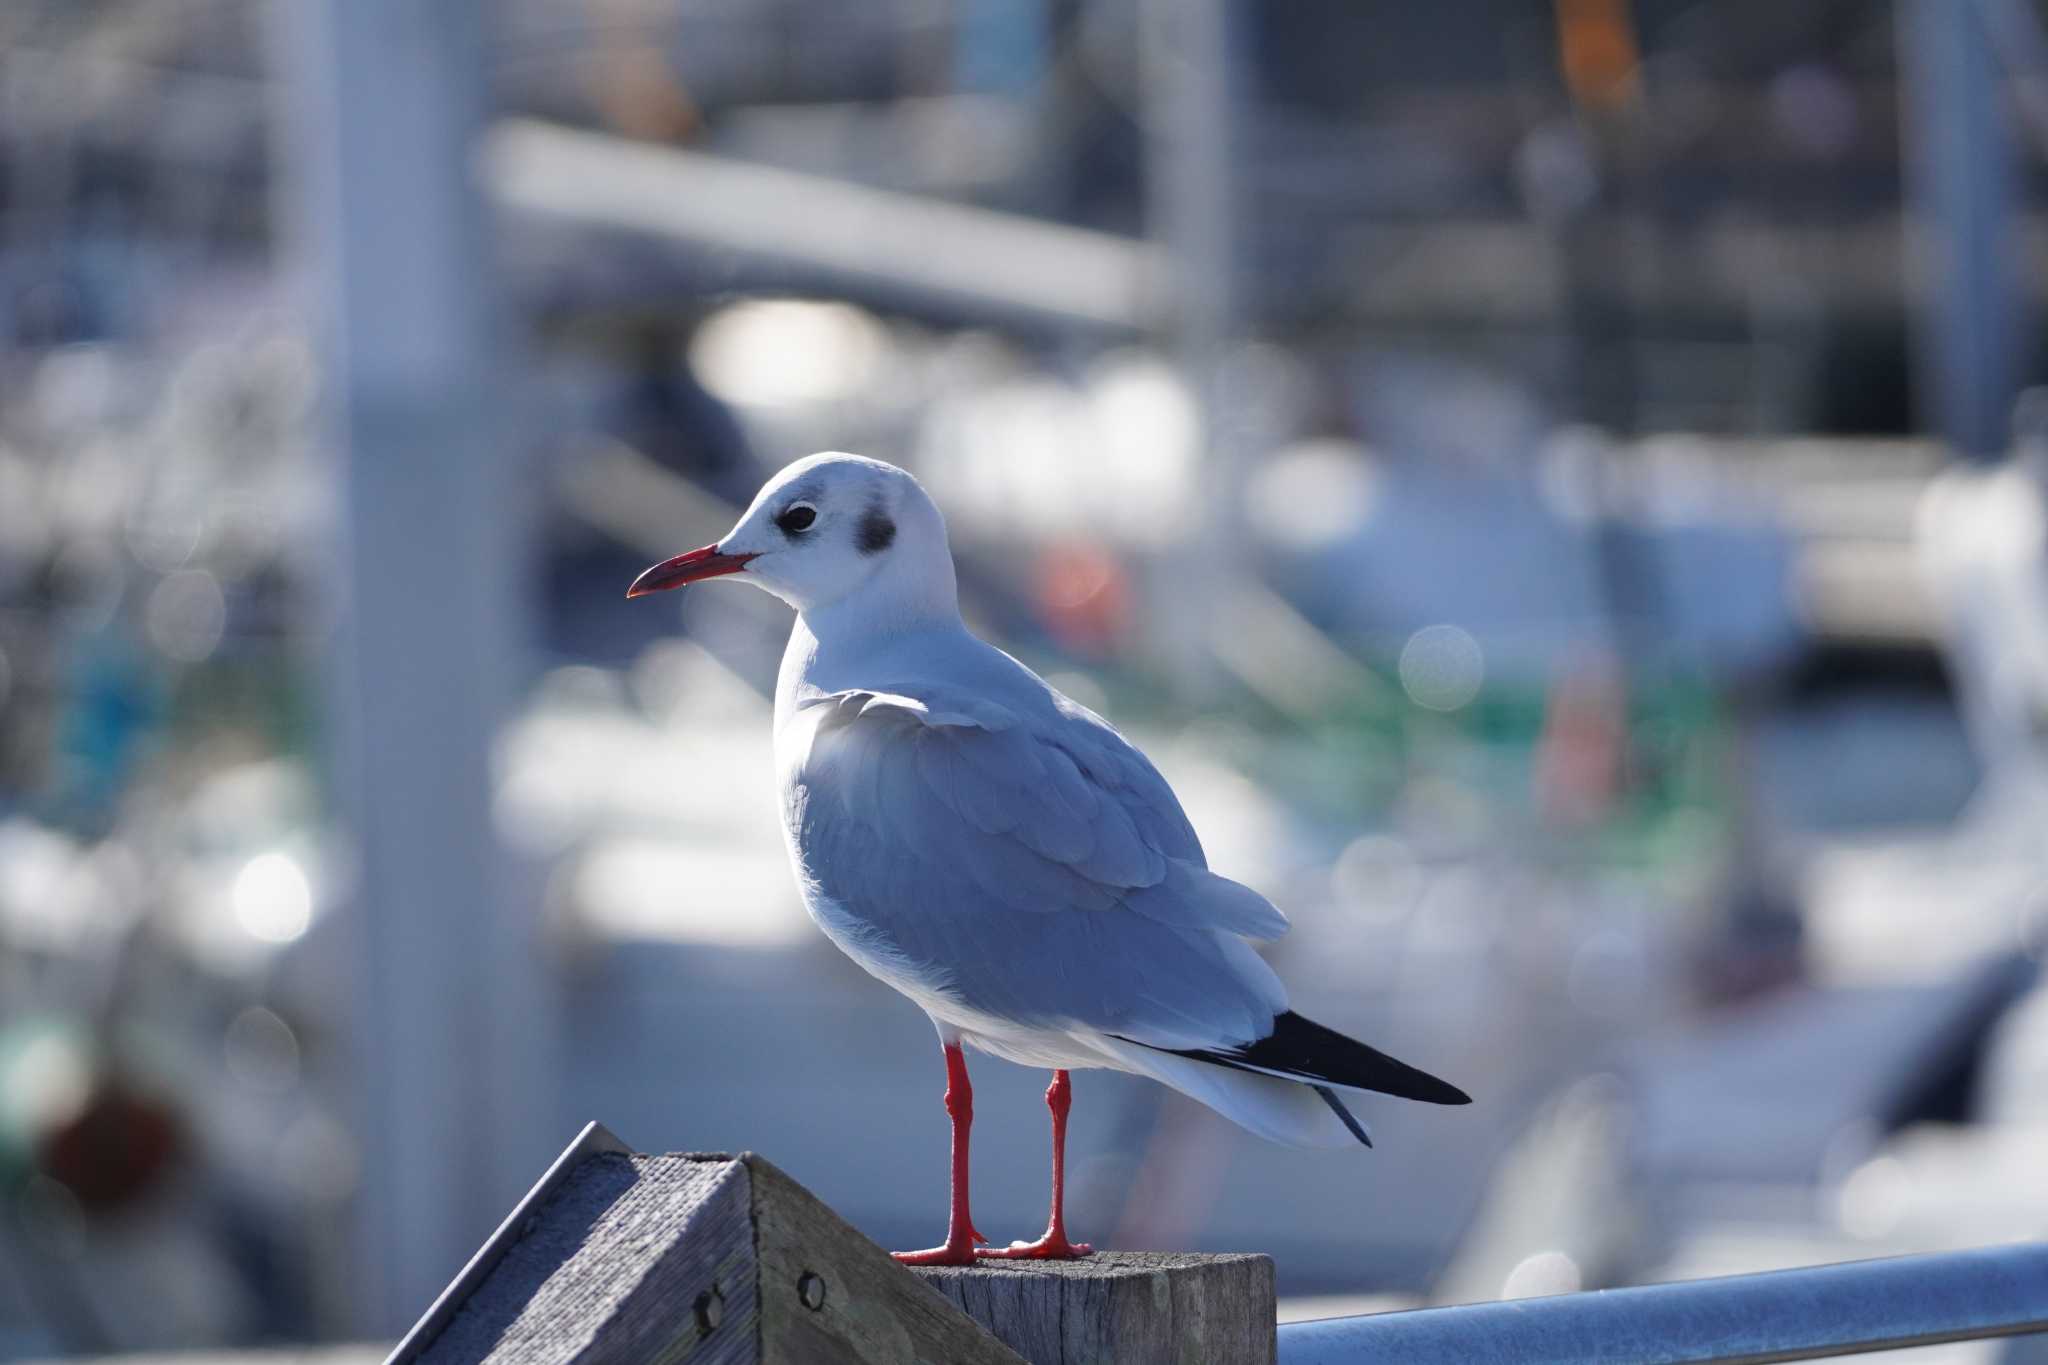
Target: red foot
x,y
952,1253
960,1233
1051,1247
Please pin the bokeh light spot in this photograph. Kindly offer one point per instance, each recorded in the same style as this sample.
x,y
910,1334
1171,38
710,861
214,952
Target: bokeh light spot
x,y
1442,667
772,352
261,1051
50,1078
1312,495
1547,1272
271,898
1874,1198
186,615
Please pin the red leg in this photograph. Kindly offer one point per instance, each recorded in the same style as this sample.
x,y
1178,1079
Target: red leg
x,y
960,1234
1054,1246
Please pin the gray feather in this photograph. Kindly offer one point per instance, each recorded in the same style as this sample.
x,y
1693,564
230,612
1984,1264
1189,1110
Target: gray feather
x,y
1028,863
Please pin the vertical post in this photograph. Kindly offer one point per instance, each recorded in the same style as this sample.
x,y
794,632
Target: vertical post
x,y
385,103
1958,154
1187,56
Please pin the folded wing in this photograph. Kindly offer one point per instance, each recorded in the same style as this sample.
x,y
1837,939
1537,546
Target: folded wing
x,y
1037,868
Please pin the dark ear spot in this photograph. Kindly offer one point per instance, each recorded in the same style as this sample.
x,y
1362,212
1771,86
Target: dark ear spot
x,y
876,532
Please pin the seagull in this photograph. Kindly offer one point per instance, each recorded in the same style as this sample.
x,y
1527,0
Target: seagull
x,y
1001,854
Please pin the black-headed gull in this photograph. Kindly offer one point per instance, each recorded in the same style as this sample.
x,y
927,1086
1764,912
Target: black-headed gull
x,y
1001,855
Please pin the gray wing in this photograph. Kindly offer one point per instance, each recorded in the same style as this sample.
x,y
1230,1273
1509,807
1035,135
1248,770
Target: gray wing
x,y
1036,870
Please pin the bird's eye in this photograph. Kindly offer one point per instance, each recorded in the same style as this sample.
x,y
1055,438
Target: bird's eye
x,y
796,517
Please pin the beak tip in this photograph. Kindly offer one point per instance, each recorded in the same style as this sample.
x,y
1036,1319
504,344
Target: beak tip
x,y
694,567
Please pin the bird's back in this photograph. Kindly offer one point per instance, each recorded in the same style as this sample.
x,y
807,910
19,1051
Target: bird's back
x,y
973,836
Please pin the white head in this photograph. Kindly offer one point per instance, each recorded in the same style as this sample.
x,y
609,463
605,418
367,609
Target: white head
x,y
832,530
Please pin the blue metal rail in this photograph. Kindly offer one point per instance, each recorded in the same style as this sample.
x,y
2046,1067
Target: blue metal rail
x,y
1829,1310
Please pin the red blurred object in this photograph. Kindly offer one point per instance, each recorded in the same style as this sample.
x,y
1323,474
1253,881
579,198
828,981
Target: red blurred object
x,y
1083,595
114,1150
1580,752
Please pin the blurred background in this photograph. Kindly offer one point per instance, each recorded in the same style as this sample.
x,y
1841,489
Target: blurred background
x,y
1556,484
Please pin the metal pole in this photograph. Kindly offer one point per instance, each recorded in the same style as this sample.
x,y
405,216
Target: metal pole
x,y
1959,163
385,100
1801,1314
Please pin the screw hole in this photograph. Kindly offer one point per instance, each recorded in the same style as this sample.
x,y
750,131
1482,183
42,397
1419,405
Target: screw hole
x,y
710,1310
810,1290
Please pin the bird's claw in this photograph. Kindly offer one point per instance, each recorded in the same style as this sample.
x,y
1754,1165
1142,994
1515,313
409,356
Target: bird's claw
x,y
952,1253
1051,1247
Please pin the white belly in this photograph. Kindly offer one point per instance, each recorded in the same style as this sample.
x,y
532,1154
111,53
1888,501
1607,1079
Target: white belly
x,y
1024,1044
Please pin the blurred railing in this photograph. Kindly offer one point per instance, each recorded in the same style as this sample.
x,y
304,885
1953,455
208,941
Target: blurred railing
x,y
1804,1314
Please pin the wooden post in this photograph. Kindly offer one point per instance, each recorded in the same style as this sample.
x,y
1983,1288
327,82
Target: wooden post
x,y
1121,1307
722,1260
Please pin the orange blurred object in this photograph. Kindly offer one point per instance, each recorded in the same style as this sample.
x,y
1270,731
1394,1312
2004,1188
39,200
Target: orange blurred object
x,y
1082,595
634,85
1596,42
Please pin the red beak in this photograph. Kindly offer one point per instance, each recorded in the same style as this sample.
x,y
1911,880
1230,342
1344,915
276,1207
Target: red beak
x,y
693,567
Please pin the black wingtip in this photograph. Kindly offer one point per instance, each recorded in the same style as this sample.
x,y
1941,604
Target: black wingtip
x,y
1440,1091
1304,1050
1337,1107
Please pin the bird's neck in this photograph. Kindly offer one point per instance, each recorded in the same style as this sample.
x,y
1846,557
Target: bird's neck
x,y
870,630
912,590
863,640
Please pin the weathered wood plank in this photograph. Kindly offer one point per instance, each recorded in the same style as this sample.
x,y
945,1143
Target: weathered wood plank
x,y
611,1266
828,1294
710,1260
1121,1307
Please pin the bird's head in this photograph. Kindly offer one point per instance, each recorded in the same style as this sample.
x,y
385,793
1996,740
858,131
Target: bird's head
x,y
830,529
